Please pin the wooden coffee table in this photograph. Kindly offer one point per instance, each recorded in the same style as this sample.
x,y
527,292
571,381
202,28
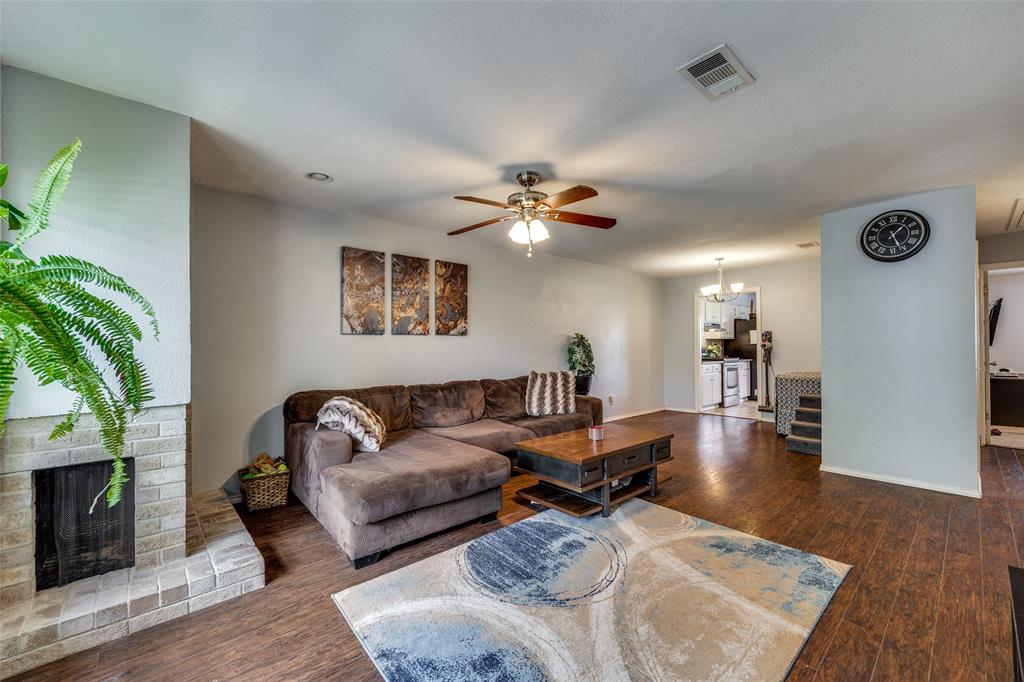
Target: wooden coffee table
x,y
579,476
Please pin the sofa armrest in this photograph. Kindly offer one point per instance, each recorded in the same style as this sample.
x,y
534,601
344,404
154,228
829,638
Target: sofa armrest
x,y
591,406
309,451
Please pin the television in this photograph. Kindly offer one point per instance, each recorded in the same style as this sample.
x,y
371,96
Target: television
x,y
993,319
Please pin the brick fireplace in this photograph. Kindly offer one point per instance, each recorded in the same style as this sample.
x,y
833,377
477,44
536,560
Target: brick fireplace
x,y
189,552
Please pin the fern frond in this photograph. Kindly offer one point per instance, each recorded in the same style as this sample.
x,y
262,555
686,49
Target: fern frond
x,y
67,425
70,269
49,188
8,364
117,480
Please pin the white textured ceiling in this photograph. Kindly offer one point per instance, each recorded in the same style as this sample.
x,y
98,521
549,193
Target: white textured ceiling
x,y
407,104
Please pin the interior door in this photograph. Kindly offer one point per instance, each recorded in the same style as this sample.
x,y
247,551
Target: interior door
x,y
984,387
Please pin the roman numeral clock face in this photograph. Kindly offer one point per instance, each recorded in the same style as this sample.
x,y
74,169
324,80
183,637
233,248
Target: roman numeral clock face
x,y
894,236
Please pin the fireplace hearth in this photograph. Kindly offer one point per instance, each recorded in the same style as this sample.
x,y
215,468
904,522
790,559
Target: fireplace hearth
x,y
71,542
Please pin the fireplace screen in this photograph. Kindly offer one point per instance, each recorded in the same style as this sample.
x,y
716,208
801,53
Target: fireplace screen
x,y
71,543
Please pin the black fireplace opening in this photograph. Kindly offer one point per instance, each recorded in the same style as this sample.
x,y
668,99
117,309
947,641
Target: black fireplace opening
x,y
71,543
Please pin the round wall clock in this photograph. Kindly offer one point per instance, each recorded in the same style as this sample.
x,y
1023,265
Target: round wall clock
x,y
894,236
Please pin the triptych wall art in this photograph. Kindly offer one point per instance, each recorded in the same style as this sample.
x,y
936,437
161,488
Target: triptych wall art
x,y
410,295
363,293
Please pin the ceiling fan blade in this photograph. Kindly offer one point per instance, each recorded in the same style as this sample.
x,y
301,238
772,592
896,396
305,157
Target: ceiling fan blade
x,y
581,219
478,200
478,225
568,196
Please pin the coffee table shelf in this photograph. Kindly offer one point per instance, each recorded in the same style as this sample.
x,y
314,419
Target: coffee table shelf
x,y
574,505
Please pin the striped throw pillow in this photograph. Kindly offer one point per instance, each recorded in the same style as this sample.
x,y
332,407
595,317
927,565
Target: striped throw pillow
x,y
550,393
355,419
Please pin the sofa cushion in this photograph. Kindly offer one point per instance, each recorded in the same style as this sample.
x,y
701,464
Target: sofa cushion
x,y
549,393
489,434
391,403
450,404
413,470
556,423
505,398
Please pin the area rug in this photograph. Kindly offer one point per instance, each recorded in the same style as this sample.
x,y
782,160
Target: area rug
x,y
646,594
1011,437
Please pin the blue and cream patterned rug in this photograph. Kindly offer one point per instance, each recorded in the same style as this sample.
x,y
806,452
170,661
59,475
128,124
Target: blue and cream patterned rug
x,y
646,594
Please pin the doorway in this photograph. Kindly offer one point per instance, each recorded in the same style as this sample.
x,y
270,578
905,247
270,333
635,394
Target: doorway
x,y
1001,366
728,374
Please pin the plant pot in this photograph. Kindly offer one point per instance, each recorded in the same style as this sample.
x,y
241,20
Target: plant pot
x,y
583,384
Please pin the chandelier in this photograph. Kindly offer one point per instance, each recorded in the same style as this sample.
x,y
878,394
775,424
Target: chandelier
x,y
717,293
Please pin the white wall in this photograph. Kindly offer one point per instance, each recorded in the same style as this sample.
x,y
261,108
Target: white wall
x,y
899,382
127,209
790,308
1008,348
266,315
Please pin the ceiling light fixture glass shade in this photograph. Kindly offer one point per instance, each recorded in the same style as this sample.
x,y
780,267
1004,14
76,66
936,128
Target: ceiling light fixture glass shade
x,y
717,293
521,234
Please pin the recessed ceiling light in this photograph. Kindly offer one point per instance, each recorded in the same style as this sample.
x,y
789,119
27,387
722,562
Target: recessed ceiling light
x,y
317,176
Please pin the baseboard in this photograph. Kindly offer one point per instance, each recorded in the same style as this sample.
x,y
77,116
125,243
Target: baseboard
x,y
639,413
681,409
910,482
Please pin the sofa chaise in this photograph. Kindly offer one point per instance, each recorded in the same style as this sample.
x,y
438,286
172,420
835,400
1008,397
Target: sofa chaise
x,y
446,456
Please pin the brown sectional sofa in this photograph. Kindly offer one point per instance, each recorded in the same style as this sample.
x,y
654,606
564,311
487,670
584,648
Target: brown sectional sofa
x,y
445,459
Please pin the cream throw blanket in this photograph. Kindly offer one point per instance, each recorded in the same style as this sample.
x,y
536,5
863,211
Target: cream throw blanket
x,y
355,419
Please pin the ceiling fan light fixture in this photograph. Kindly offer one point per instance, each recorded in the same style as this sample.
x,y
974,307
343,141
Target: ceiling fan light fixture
x,y
521,233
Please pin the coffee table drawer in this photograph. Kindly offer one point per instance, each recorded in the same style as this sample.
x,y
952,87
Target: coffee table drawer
x,y
558,470
589,473
662,450
626,461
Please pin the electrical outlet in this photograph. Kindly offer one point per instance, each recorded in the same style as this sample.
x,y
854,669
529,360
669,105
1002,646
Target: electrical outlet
x,y
611,400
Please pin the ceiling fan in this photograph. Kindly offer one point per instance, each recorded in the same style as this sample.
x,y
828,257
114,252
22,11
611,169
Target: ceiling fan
x,y
529,206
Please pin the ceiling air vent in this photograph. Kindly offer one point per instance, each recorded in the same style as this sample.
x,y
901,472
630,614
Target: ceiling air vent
x,y
716,73
1016,219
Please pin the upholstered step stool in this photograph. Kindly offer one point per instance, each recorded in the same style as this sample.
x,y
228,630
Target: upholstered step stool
x,y
805,430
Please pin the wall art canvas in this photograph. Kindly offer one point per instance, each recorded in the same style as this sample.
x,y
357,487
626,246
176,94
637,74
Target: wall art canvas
x,y
362,291
410,295
451,298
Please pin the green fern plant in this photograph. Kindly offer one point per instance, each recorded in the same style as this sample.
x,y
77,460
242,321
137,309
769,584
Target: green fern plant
x,y
581,355
55,322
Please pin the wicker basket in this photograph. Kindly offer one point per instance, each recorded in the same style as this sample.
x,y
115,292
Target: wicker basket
x,y
264,492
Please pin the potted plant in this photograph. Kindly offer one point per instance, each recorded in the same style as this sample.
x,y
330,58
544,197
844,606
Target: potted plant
x,y
581,361
55,322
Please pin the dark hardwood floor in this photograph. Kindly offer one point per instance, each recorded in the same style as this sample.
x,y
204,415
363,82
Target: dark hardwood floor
x,y
927,598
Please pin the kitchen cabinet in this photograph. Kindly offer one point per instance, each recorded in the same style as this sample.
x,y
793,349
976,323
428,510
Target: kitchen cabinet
x,y
744,380
718,320
711,384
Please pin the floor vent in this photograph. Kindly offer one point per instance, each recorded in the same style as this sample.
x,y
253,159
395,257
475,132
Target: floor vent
x,y
716,73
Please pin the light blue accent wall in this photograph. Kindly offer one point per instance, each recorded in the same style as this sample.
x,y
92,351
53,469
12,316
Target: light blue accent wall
x,y
898,348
